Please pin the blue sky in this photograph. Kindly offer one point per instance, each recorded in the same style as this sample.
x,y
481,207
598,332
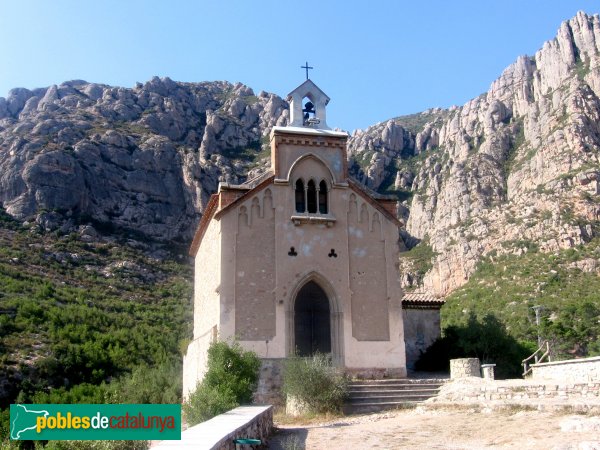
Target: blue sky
x,y
375,59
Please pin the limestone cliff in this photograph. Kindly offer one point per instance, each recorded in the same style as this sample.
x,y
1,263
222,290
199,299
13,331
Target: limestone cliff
x,y
145,158
513,168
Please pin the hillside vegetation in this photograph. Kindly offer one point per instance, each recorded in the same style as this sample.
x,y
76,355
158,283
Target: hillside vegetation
x,y
565,283
90,318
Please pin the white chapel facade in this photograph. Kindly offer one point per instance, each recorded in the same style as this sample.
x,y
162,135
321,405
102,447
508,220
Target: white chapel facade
x,y
301,259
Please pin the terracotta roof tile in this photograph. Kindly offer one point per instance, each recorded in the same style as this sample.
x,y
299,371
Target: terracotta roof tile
x,y
422,300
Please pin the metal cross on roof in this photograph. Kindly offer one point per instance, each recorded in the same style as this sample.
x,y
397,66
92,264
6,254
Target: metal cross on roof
x,y
306,67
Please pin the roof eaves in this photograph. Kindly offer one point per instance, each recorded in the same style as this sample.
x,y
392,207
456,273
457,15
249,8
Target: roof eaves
x,y
245,195
209,212
356,187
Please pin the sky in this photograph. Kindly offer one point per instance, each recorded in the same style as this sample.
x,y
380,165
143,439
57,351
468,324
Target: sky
x,y
375,59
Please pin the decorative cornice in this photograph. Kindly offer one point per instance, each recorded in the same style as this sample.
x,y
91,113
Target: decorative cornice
x,y
311,141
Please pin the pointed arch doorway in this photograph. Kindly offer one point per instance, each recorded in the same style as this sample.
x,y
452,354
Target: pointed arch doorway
x,y
312,321
314,295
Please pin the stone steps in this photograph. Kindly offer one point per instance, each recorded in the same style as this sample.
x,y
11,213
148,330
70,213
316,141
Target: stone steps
x,y
366,396
393,387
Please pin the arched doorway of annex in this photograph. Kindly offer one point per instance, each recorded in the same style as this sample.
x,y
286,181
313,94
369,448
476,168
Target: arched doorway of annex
x,y
315,319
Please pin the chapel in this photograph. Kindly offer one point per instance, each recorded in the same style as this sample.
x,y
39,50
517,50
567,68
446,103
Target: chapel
x,y
302,259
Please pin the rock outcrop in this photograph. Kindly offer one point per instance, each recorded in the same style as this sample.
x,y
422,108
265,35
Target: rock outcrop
x,y
513,168
144,159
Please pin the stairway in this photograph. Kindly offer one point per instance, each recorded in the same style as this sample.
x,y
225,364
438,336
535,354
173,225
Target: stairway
x,y
366,396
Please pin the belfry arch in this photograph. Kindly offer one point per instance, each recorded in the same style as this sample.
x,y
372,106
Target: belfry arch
x,y
314,319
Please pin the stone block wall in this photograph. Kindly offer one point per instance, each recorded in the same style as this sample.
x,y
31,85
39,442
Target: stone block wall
x,y
218,433
584,370
517,390
260,427
270,381
465,367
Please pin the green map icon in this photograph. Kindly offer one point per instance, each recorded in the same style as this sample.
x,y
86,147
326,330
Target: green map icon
x,y
23,420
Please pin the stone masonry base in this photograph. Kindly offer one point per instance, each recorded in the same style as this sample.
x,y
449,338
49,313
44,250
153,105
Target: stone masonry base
x,y
524,393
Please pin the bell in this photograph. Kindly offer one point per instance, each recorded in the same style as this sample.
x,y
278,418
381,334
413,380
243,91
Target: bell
x,y
309,108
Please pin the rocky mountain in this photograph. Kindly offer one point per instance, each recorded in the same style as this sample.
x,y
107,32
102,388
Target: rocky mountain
x,y
144,159
516,167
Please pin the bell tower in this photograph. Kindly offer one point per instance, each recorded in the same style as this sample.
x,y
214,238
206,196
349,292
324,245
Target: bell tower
x,y
308,137
307,106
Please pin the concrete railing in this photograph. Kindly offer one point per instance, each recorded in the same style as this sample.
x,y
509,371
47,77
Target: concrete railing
x,y
219,432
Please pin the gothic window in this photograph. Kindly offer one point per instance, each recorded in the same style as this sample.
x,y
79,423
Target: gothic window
x,y
323,197
300,200
311,197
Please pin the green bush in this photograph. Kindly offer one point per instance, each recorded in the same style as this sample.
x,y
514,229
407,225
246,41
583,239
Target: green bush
x,y
573,330
150,384
4,425
207,402
6,444
421,255
230,379
315,382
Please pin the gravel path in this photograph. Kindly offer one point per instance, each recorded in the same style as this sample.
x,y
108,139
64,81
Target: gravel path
x,y
450,428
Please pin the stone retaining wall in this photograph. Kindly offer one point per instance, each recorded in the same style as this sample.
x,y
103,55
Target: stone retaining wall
x,y
566,391
259,427
478,390
584,370
218,433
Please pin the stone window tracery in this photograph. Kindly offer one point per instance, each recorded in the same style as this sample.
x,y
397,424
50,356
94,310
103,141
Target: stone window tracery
x,y
323,206
313,198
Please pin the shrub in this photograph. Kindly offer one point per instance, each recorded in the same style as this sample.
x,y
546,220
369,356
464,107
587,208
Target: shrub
x,y
315,382
207,402
150,384
7,444
421,255
229,381
573,330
